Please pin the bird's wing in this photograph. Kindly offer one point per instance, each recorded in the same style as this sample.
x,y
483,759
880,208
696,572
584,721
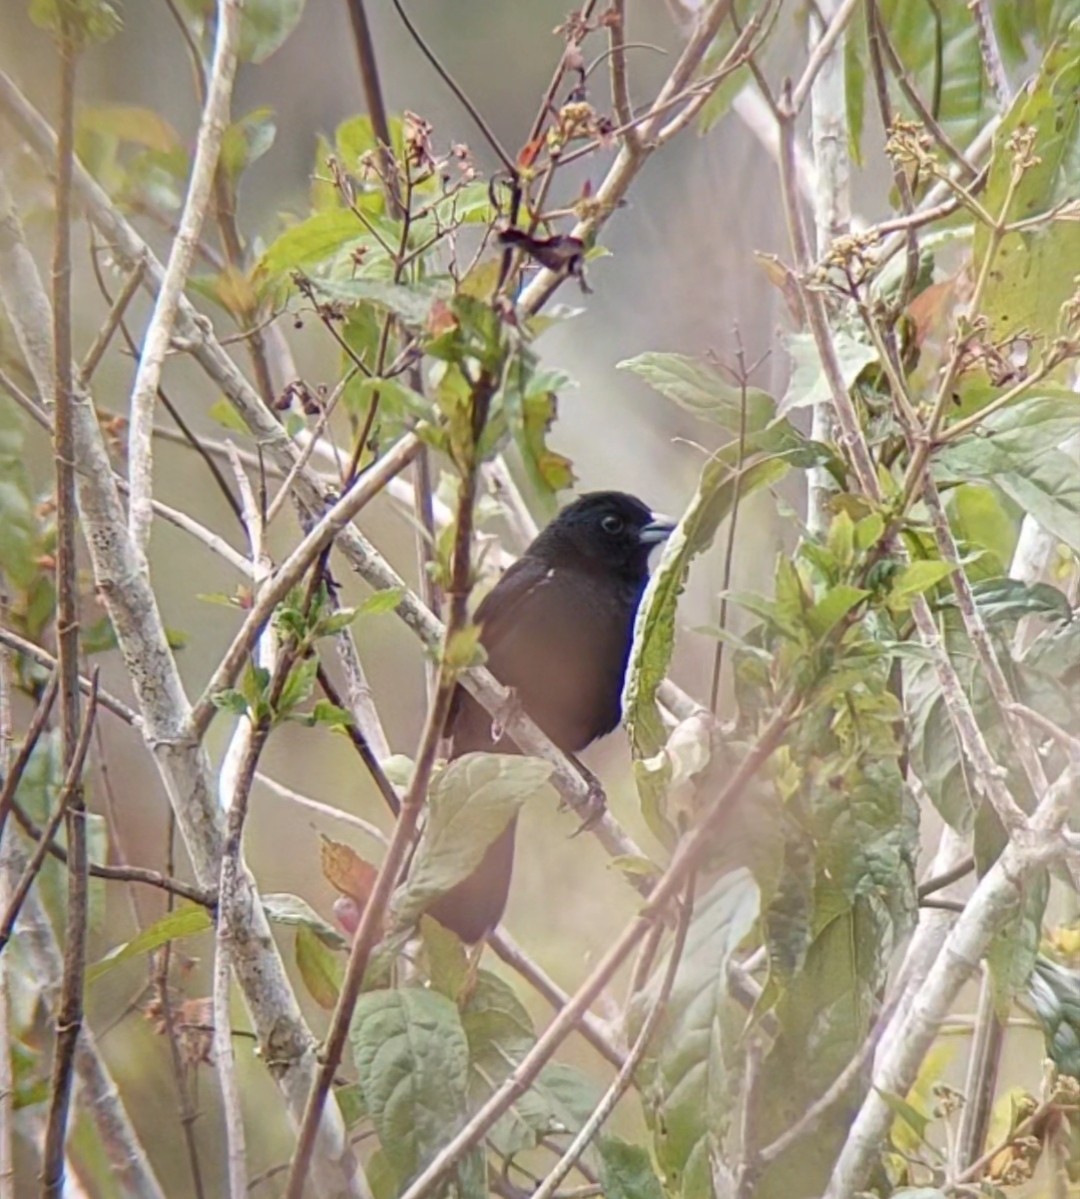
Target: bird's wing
x,y
502,608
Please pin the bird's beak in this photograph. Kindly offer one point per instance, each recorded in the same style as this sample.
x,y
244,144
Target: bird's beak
x,y
658,529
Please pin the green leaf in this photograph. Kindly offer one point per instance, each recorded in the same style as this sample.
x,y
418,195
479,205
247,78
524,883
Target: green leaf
x,y
312,241
130,123
939,48
226,415
187,921
412,301
247,140
824,1017
1033,272
265,26
698,388
86,20
626,1171
902,1110
827,613
917,578
328,714
283,908
470,802
351,1102
808,385
321,969
412,1062
18,526
654,630
1053,994
691,1073
382,601
1016,451
1012,953
1004,600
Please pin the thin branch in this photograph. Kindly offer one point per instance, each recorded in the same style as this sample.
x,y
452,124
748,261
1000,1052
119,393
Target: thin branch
x,y
105,334
625,1076
7,1061
74,738
939,882
590,1028
615,19
72,781
38,721
821,53
460,95
980,1085
991,52
43,658
121,873
215,119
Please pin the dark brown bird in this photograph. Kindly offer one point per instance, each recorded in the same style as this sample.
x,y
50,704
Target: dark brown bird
x,y
557,628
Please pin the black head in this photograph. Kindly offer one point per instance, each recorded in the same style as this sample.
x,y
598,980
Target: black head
x,y
604,531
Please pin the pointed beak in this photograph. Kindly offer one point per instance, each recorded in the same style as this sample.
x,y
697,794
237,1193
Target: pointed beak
x,y
658,529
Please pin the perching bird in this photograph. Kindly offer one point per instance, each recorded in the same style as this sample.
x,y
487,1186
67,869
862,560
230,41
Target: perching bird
x,y
557,629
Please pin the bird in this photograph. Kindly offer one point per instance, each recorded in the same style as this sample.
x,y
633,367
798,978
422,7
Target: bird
x,y
557,630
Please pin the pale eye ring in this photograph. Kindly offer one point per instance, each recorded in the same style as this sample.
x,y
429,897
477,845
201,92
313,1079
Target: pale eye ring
x,y
612,524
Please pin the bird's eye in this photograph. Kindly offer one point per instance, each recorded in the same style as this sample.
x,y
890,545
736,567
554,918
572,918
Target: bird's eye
x,y
612,524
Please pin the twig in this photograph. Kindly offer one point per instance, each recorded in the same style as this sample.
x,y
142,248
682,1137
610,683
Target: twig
x,y
820,54
991,52
459,94
625,1076
933,127
215,118
620,92
321,809
590,1028
837,1090
159,981
72,783
244,748
74,738
373,97
43,658
628,164
980,1086
121,874
7,1072
832,218
946,879
40,718
105,333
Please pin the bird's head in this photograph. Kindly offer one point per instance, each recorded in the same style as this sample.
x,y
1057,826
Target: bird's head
x,y
606,531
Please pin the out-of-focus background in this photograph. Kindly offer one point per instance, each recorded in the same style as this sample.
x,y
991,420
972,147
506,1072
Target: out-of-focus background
x,y
681,276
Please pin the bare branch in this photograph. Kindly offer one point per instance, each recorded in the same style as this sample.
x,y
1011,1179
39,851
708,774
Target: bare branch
x,y
215,119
